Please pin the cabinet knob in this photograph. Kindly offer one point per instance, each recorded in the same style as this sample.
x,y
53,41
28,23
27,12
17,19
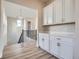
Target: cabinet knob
x,y
58,44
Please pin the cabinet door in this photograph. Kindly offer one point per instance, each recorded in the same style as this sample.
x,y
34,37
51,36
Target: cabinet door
x,y
68,10
45,18
53,45
66,49
46,42
58,11
50,14
41,41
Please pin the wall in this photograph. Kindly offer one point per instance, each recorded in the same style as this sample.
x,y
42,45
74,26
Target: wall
x,y
0,31
3,27
0,19
16,10
13,11
76,46
33,23
14,32
36,4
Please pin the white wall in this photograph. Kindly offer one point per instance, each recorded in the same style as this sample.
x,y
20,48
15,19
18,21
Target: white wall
x,y
13,11
33,23
76,46
35,4
3,27
16,10
14,32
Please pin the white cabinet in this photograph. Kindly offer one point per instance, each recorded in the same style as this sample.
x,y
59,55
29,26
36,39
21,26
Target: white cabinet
x,y
68,10
53,46
66,48
45,18
58,11
48,14
41,39
44,41
59,46
66,51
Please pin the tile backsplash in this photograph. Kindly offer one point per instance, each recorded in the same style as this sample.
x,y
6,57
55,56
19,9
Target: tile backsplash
x,y
69,28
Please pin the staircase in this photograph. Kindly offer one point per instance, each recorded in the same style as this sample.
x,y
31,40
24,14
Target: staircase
x,y
32,34
21,39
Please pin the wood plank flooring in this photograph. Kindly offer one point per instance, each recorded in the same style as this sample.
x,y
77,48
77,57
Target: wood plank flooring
x,y
26,50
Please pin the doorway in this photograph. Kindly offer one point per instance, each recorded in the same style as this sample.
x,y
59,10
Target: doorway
x,y
29,29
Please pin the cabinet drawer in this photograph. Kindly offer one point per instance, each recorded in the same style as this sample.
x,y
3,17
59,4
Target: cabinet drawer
x,y
65,40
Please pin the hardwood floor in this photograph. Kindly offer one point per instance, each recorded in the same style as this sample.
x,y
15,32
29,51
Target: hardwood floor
x,y
26,50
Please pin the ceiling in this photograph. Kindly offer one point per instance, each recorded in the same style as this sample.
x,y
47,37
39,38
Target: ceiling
x,y
29,3
44,1
34,0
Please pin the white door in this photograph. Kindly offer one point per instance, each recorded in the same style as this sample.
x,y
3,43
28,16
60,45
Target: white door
x,y
53,45
68,10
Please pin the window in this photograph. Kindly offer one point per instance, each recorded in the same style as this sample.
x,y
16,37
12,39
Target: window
x,y
19,23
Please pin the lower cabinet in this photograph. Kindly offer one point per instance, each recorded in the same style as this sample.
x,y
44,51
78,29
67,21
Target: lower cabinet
x,y
66,48
44,41
61,47
66,51
53,46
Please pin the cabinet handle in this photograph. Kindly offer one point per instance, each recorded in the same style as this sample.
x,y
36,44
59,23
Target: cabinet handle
x,y
43,39
58,44
58,38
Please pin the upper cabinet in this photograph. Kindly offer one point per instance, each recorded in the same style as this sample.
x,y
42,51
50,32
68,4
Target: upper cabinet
x,y
48,14
68,10
45,14
58,12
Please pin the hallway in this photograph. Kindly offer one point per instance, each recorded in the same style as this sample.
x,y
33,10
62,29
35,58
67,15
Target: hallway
x,y
25,51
